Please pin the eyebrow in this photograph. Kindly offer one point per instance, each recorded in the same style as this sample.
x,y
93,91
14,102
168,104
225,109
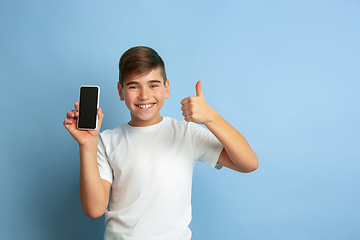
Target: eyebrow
x,y
154,81
151,81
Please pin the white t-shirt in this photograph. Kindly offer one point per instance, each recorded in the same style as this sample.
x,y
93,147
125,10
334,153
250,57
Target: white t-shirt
x,y
150,169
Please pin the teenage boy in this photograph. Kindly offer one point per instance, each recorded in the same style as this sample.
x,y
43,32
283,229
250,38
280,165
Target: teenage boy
x,y
148,162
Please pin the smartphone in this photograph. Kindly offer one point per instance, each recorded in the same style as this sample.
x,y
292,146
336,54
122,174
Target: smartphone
x,y
88,105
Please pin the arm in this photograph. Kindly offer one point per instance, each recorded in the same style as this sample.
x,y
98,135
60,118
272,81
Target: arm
x,y
94,192
237,153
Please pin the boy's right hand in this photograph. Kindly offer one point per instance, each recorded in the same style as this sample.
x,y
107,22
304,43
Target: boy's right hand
x,y
82,136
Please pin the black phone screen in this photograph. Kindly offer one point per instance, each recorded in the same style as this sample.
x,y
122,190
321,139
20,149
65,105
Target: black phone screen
x,y
88,107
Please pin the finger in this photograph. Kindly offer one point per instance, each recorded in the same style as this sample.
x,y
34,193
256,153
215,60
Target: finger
x,y
100,113
69,114
72,114
199,92
188,118
77,106
101,116
186,113
185,100
185,107
67,123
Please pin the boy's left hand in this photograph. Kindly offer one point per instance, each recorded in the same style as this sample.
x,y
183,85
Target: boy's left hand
x,y
237,153
195,109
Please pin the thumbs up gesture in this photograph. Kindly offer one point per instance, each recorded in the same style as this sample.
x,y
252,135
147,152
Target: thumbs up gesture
x,y
195,109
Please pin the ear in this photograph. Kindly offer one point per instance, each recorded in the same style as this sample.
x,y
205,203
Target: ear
x,y
167,89
120,90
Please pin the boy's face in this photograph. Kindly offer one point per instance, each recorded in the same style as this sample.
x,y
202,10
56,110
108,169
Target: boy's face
x,y
144,96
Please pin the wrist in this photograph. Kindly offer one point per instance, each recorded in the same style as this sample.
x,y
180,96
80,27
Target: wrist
x,y
213,118
89,145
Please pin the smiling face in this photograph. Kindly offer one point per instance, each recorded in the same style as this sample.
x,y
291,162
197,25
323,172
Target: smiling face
x,y
144,96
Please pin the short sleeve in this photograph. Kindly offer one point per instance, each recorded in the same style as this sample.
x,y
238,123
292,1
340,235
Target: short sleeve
x,y
104,166
206,147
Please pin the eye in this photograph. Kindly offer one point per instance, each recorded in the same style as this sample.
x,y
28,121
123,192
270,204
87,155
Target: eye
x,y
154,86
133,87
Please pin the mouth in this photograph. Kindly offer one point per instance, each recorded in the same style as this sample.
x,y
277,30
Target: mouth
x,y
145,106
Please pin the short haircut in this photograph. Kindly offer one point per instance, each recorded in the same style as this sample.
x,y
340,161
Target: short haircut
x,y
139,61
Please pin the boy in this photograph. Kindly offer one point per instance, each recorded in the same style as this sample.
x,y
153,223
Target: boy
x,y
148,162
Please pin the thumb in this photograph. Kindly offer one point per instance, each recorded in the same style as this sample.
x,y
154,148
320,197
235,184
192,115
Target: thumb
x,y
100,117
199,92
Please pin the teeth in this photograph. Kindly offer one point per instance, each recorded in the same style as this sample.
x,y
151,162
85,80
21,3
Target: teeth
x,y
145,106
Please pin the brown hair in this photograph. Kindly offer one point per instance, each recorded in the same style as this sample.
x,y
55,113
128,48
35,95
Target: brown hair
x,y
139,61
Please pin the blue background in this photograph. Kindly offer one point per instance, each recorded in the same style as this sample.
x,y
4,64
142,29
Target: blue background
x,y
284,73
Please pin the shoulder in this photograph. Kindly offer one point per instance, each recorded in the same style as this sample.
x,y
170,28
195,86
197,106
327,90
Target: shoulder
x,y
184,126
110,133
177,125
111,138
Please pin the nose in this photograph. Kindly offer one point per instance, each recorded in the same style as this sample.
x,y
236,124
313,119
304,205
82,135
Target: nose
x,y
144,94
